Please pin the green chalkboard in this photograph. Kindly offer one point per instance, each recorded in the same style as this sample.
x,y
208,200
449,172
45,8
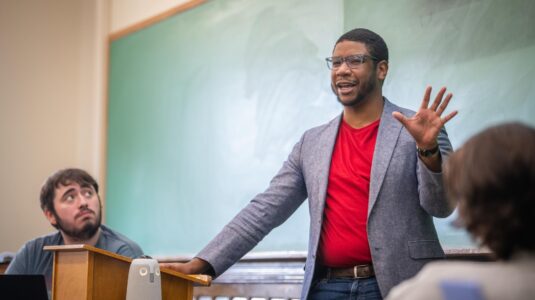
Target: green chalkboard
x,y
205,106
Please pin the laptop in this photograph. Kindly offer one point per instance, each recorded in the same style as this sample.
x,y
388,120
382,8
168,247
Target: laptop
x,y
15,287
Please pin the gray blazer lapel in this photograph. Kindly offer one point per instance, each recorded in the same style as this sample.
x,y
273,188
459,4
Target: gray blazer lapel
x,y
389,130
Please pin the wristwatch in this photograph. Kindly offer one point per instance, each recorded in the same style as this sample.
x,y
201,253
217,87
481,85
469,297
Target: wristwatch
x,y
427,152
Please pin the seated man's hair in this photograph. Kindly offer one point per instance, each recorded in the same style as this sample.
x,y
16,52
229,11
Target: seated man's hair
x,y
493,177
64,177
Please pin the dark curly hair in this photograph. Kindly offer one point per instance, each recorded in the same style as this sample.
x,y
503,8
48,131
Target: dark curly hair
x,y
374,43
493,177
63,177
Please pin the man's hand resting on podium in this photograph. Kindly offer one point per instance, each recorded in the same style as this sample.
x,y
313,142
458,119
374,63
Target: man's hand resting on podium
x,y
194,266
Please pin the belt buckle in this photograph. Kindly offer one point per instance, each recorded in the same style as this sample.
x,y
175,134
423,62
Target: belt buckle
x,y
355,272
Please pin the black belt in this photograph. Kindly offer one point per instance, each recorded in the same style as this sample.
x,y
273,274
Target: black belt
x,y
356,272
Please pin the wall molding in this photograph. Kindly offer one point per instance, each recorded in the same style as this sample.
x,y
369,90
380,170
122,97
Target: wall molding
x,y
155,19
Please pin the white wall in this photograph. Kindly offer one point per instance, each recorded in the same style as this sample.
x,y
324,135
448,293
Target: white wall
x,y
53,64
52,58
129,12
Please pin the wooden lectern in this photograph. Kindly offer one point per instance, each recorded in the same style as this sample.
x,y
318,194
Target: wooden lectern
x,y
86,272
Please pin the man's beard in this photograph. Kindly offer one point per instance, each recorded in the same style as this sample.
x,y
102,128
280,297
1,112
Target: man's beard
x,y
367,88
85,233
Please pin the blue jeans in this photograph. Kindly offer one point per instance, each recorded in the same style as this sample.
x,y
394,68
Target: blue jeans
x,y
342,288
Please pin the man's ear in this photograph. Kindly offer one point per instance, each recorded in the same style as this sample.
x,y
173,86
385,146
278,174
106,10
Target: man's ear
x,y
50,217
382,70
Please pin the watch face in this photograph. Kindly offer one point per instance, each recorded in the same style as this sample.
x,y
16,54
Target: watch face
x,y
427,153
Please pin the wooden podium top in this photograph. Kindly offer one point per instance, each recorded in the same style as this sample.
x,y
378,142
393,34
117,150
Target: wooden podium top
x,y
199,279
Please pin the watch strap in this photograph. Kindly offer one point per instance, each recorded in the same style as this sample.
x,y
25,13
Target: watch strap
x,y
427,152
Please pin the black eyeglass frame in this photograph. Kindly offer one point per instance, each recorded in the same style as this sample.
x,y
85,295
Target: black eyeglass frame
x,y
360,57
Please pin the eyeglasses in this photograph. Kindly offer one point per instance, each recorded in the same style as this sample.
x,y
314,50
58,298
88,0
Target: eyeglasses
x,y
352,61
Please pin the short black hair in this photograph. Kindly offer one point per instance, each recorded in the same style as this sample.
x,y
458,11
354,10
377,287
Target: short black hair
x,y
493,177
374,43
63,177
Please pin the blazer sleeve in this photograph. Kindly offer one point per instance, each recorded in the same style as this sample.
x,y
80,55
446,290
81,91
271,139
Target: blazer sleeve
x,y
430,184
286,192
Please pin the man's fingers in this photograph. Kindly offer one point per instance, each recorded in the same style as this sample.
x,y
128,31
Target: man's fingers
x,y
444,104
400,117
166,265
449,117
438,98
427,95
171,266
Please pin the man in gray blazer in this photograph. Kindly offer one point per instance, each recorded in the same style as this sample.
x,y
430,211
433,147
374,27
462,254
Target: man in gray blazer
x,y
373,180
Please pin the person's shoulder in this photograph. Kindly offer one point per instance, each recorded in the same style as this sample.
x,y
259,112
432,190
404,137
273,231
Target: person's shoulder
x,y
114,235
117,242
438,271
41,241
31,254
444,266
390,107
425,285
316,130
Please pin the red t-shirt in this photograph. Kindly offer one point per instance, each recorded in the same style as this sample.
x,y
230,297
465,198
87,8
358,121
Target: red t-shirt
x,y
344,239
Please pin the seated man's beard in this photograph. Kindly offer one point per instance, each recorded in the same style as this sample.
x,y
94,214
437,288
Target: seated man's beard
x,y
84,233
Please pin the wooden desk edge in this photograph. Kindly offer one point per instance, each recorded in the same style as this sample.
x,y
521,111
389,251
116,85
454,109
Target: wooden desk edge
x,y
200,279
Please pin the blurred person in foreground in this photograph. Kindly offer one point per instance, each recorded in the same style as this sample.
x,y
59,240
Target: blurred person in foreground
x,y
493,177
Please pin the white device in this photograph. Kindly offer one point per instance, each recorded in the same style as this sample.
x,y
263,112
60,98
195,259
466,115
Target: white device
x,y
144,281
